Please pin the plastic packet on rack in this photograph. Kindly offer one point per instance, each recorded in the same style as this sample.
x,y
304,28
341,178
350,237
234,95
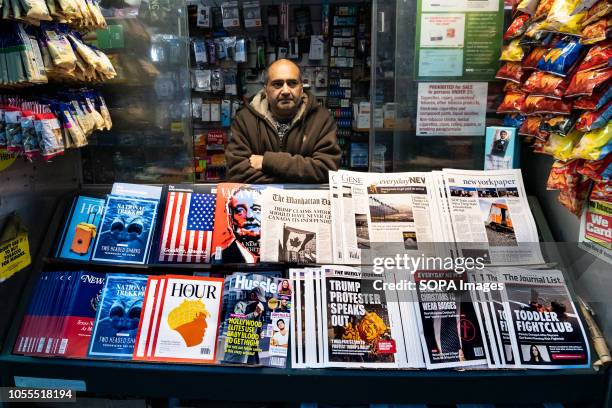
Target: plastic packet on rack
x,y
595,101
564,175
199,51
105,66
527,6
220,50
518,27
561,125
514,120
561,20
512,52
597,170
100,105
36,10
543,9
587,82
14,137
598,57
531,61
74,135
561,147
535,36
598,31
561,58
230,47
60,49
99,122
602,191
574,199
510,71
541,104
241,53
512,87
591,120
3,142
531,127
49,132
30,140
601,9
543,84
594,145
514,102
217,83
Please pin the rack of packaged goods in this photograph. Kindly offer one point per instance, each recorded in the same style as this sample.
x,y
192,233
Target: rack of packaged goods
x,y
219,39
158,380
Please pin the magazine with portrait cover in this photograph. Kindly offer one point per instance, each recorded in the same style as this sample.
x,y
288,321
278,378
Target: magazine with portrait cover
x,y
118,317
256,320
361,327
296,226
448,318
237,226
491,217
187,224
545,328
181,319
128,224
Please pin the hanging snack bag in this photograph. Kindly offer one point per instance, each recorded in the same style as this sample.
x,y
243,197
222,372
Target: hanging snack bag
x,y
531,127
594,145
541,104
561,20
602,191
514,120
514,102
598,57
597,170
30,140
518,27
583,5
512,87
60,50
100,105
561,147
14,137
561,125
543,9
512,52
535,36
543,84
510,71
3,142
574,199
564,175
591,120
600,30
595,101
561,58
527,6
49,132
587,82
531,61
601,9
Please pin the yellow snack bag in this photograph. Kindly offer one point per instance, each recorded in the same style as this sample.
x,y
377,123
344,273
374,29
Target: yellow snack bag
x,y
561,20
512,52
561,147
594,145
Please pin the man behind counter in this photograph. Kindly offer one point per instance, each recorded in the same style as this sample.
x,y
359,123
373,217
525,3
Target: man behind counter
x,y
282,135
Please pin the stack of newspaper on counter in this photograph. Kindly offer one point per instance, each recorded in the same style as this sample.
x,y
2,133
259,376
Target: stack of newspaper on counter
x,y
497,318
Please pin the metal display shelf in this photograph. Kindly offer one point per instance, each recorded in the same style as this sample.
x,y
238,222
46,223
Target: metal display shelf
x,y
213,382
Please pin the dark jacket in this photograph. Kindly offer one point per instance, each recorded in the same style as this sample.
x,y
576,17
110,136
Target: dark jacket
x,y
308,150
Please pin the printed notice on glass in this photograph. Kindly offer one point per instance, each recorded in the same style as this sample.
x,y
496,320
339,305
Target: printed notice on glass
x,y
458,39
451,109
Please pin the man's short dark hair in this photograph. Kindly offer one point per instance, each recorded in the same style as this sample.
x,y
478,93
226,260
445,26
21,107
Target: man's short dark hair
x,y
268,67
280,320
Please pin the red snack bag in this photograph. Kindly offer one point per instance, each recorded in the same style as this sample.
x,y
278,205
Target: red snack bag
x,y
514,102
531,61
564,175
597,170
591,120
531,127
574,199
598,31
598,57
543,9
512,87
541,104
511,71
601,9
585,82
595,101
544,84
518,27
602,191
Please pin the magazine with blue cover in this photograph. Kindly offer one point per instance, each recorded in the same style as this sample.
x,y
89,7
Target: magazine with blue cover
x,y
116,325
126,230
82,229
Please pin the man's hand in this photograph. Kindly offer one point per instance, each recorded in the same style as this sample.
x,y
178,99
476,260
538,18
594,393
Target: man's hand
x,y
256,161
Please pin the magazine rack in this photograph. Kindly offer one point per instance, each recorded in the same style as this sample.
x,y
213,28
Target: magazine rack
x,y
154,380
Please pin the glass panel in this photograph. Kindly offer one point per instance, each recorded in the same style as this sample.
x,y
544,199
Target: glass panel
x,y
395,146
148,101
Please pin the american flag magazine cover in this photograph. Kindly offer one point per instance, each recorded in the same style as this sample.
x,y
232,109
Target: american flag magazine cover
x,y
188,222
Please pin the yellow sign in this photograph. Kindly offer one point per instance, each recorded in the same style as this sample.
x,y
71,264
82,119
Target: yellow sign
x,y
176,127
14,255
6,159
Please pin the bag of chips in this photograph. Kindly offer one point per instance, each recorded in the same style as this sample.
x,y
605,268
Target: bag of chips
x,y
599,56
598,31
561,147
586,82
574,199
561,125
540,104
595,101
510,71
518,27
601,9
591,120
564,175
531,127
514,102
560,59
561,20
531,61
543,9
594,145
512,87
597,170
30,140
543,84
515,120
527,6
512,52
535,36
602,191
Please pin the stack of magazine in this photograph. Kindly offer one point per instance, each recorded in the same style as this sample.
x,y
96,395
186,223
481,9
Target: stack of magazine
x,y
497,318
